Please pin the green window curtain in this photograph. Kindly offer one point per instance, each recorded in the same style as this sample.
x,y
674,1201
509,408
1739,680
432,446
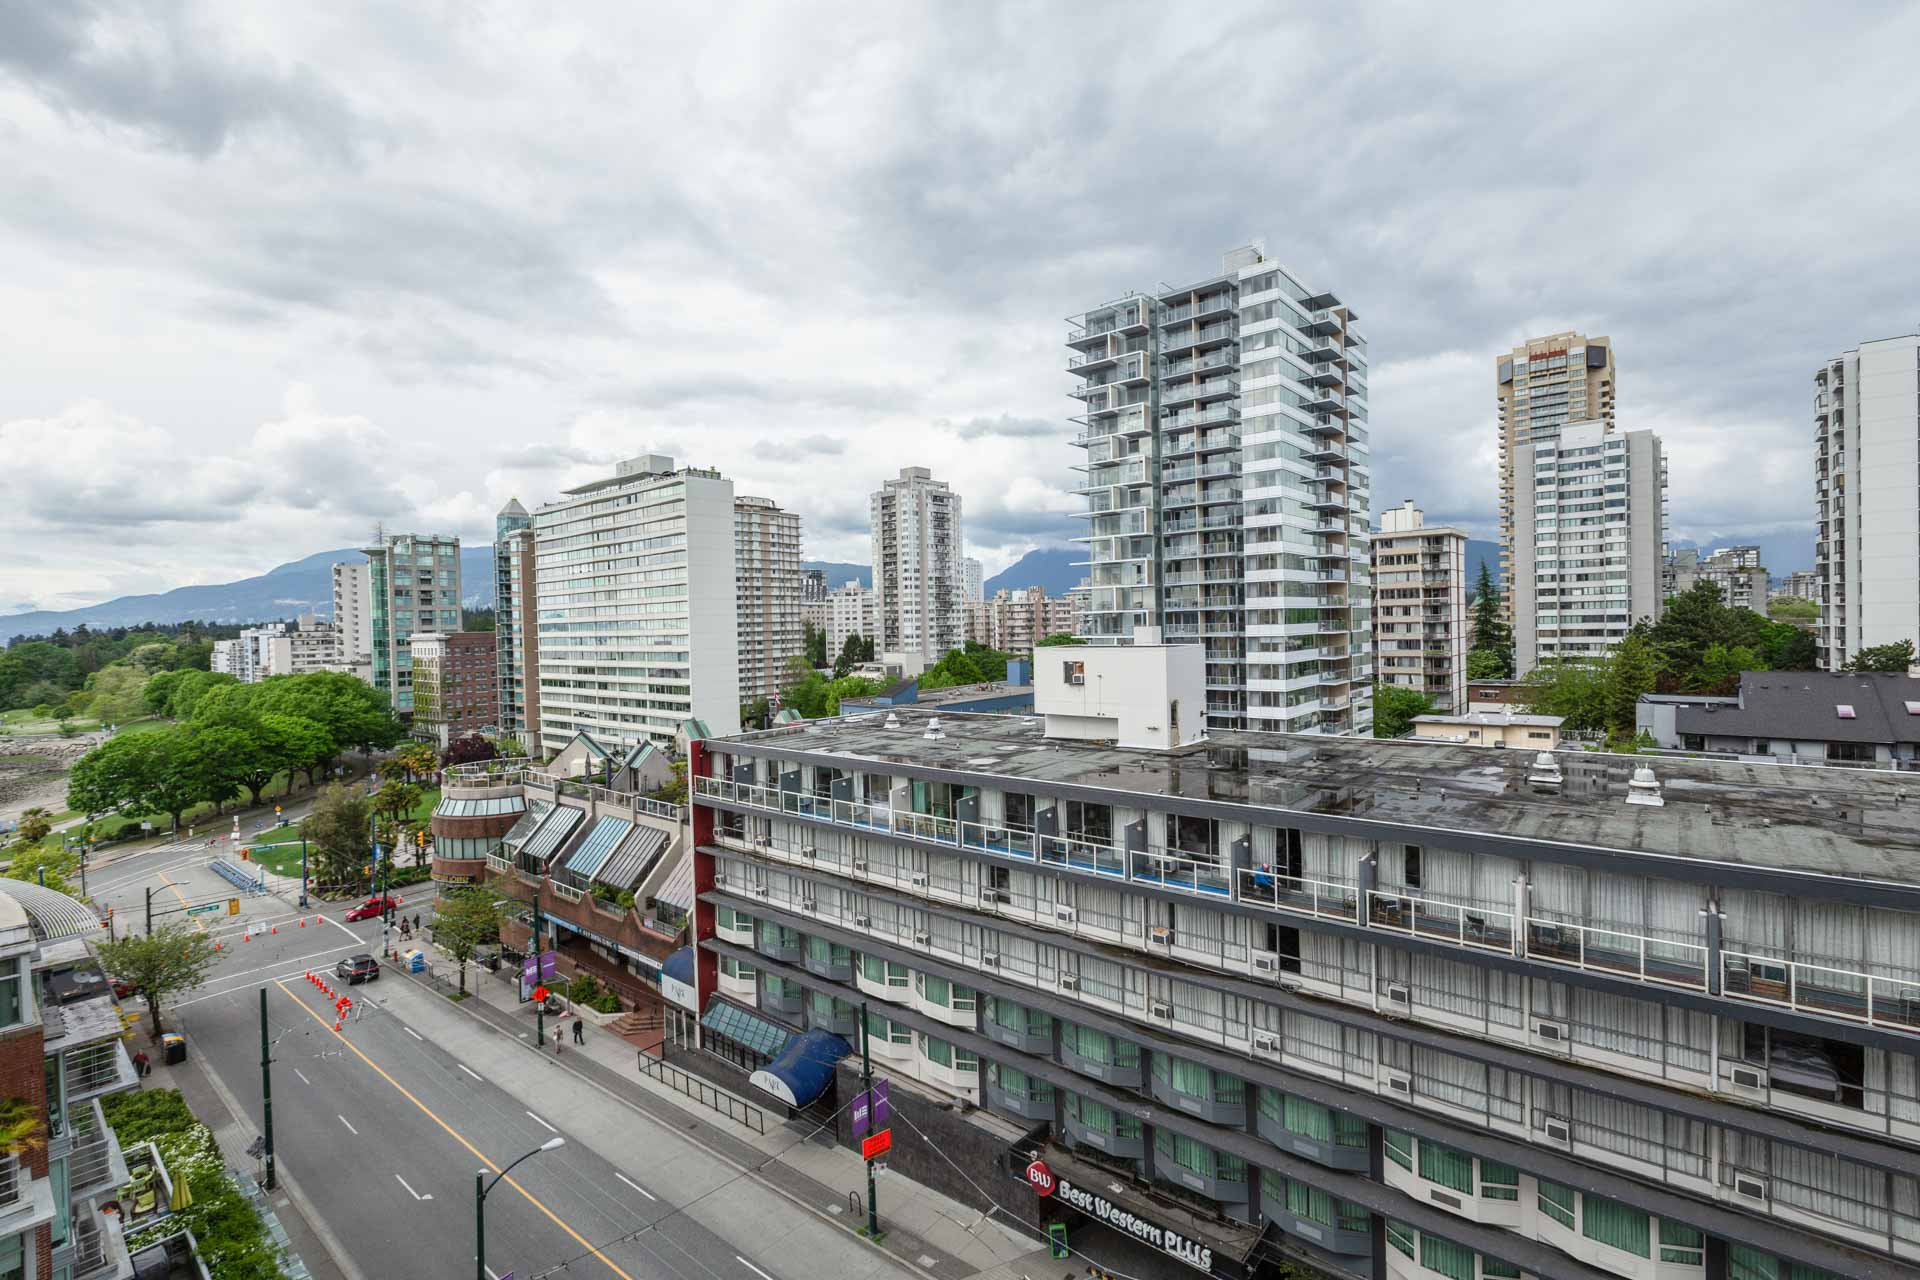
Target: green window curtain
x,y
1681,1243
1125,1053
1751,1264
1443,1256
1494,1270
1400,1236
1450,1168
1228,1089
935,990
1349,1130
1616,1224
1010,1080
877,1026
936,1051
1556,1202
873,968
1189,1078
1310,1203
723,917
1352,1217
819,950
1499,1181
1400,1149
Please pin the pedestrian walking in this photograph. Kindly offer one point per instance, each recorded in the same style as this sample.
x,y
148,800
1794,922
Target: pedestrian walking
x,y
579,1031
141,1063
416,919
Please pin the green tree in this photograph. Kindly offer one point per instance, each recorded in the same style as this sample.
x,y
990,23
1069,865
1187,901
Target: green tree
x,y
119,693
160,965
338,832
1792,609
1491,634
186,693
1578,692
1720,668
60,865
1883,657
1485,664
849,656
1058,637
465,919
33,663
158,691
416,760
1791,648
1631,670
476,620
114,775
1394,709
36,824
816,646
299,744
755,713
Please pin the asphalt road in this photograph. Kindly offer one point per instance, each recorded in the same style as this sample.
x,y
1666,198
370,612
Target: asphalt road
x,y
382,1127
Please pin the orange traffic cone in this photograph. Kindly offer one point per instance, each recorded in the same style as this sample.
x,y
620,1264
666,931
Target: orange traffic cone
x,y
246,937
216,945
273,928
303,922
336,1024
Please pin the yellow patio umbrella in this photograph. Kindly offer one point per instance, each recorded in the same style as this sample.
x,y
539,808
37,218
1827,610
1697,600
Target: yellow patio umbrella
x,y
182,1195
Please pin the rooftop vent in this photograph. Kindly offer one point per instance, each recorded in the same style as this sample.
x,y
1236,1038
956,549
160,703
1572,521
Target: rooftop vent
x,y
893,721
1644,789
1545,772
1843,710
934,731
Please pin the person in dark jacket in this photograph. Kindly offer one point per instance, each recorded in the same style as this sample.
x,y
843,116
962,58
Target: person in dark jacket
x,y
579,1031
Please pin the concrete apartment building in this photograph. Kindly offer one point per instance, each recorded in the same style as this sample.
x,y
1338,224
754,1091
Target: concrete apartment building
x,y
1589,536
813,586
455,689
1402,1009
919,580
353,613
766,549
516,636
1227,481
414,583
634,578
1737,571
1013,621
851,611
1542,385
973,584
1420,607
1866,426
310,646
1802,584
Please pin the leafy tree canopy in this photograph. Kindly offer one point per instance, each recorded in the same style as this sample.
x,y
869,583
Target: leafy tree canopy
x,y
1058,637
1884,657
1394,709
174,958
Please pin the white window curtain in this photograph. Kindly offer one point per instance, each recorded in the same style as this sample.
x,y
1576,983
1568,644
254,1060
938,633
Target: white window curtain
x,y
1493,881
1266,846
1831,1187
1903,1086
1199,1006
1447,875
1324,857
1506,998
1445,1078
1619,1024
1559,892
1674,911
1755,922
1689,1039
1313,1039
1100,906
1636,1132
1687,1146
1893,944
1617,902
1829,933
1450,988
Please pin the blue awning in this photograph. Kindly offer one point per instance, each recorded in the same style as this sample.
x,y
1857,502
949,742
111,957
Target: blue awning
x,y
679,966
804,1068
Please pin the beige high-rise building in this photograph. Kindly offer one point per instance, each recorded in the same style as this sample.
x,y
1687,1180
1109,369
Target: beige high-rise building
x,y
1543,384
766,551
1420,607
1014,621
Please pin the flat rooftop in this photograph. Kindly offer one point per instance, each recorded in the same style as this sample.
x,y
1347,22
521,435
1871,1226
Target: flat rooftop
x,y
1836,822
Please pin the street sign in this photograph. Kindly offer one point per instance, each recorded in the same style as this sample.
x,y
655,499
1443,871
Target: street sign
x,y
877,1145
1040,1178
204,908
871,1112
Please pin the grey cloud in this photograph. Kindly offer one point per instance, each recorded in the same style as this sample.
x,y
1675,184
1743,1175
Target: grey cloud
x,y
801,449
1004,425
739,389
154,71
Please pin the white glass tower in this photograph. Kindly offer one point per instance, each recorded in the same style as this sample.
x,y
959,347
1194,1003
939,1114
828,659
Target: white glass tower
x,y
1225,429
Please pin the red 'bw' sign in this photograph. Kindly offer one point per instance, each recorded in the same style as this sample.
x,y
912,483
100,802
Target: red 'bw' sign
x,y
1041,1177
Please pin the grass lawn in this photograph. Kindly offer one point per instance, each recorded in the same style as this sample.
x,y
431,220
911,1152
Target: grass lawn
x,y
146,724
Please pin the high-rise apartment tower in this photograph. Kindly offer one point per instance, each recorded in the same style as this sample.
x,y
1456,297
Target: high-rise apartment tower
x,y
1420,607
766,542
1543,384
1866,422
516,634
414,583
918,580
1225,429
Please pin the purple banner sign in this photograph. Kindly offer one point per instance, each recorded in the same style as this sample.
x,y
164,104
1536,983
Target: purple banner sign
x,y
871,1111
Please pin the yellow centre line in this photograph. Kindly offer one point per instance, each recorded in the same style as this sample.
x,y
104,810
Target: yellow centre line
x,y
167,880
452,1132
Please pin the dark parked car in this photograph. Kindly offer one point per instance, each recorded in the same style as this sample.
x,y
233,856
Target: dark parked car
x,y
360,968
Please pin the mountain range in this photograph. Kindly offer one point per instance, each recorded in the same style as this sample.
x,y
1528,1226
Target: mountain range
x,y
286,591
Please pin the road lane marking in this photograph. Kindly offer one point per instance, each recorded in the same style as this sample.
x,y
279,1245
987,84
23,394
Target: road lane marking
x,y
543,1124
279,977
303,1077
415,1034
749,1266
168,881
636,1186
470,1071
350,1129
456,1135
410,1191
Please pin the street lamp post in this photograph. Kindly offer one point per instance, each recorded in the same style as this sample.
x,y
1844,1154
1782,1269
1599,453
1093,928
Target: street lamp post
x,y
480,1190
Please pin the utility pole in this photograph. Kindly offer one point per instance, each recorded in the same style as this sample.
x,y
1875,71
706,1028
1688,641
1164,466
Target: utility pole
x,y
266,1088
303,866
866,1081
539,1006
149,909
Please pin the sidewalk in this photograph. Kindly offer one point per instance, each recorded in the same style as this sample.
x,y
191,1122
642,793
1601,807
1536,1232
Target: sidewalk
x,y
923,1228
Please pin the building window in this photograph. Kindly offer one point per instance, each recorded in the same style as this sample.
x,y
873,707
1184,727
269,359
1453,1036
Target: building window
x,y
1197,1157
1312,1120
941,1053
10,1003
1098,1046
1197,1081
1444,1257
1615,1224
1556,1202
884,972
1681,1243
1022,1020
1447,1167
1401,1236
1019,1083
888,1031
1399,1148
1499,1181
1100,1118
936,990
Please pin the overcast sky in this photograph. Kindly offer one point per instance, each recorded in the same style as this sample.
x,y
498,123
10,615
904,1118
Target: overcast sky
x,y
276,272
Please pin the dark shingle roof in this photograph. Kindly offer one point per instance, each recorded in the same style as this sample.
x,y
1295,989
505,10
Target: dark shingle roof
x,y
1804,705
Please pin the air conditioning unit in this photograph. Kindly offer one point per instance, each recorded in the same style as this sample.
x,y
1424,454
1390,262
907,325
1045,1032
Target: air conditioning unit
x,y
1079,679
1396,993
1266,1042
809,851
809,904
990,894
859,864
1750,1077
863,922
1160,935
1069,982
1395,1083
922,939
1266,962
1749,1187
918,879
989,960
1063,914
719,878
759,891
1160,1009
1557,1131
1554,1032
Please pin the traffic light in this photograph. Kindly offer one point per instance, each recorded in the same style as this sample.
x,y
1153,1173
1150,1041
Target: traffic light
x,y
420,838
